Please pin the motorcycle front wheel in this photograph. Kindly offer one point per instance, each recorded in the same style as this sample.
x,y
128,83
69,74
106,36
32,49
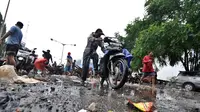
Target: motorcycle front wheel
x,y
118,77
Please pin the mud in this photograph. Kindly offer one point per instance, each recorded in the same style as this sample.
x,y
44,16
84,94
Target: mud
x,y
62,94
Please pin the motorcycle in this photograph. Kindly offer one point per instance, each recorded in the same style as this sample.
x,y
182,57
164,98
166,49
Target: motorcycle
x,y
25,60
77,71
58,69
113,65
134,78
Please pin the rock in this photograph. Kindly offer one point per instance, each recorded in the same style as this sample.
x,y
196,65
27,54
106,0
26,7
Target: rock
x,y
92,107
43,99
52,89
126,102
57,110
50,108
24,85
4,99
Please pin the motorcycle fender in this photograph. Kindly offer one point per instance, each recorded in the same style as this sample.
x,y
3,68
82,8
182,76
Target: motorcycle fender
x,y
116,55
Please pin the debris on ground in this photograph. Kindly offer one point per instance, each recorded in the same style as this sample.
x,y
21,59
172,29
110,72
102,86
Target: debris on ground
x,y
142,106
62,94
7,73
92,107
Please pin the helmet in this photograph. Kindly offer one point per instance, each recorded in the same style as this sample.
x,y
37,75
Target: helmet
x,y
48,50
69,53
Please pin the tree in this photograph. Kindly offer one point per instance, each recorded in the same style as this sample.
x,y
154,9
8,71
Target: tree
x,y
170,29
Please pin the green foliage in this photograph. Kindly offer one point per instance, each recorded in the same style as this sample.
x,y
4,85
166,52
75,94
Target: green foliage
x,y
170,29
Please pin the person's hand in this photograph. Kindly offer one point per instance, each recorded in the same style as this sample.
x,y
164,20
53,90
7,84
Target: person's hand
x,y
99,39
150,60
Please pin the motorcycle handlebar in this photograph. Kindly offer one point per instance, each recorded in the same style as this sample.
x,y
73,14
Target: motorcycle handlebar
x,y
108,40
26,49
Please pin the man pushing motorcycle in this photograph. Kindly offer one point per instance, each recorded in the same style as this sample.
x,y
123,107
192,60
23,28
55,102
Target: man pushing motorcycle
x,y
94,40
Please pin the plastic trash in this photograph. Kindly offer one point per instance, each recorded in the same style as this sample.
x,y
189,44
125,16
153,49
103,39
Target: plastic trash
x,y
95,83
143,106
39,72
82,110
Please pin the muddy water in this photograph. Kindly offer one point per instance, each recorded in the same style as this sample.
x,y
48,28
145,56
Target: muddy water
x,y
64,95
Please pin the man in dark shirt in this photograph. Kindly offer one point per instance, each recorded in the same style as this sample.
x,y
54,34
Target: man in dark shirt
x,y
47,55
94,40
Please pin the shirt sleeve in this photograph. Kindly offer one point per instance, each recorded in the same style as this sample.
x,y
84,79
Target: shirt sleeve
x,y
12,29
91,38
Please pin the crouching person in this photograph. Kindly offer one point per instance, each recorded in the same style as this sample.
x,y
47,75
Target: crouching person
x,y
41,64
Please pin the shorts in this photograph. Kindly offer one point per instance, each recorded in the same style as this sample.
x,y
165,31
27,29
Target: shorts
x,y
149,74
12,49
67,69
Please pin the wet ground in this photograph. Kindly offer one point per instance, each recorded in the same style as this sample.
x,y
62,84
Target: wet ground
x,y
61,94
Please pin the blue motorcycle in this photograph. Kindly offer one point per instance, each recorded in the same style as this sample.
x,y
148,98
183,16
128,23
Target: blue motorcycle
x,y
113,65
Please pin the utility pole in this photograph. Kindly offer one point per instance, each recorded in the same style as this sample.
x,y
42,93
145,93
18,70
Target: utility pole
x,y
4,19
26,33
62,48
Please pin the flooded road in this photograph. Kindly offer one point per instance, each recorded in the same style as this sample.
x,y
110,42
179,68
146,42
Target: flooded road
x,y
62,94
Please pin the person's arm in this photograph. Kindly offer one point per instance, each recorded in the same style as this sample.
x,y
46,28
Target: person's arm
x,y
51,60
20,42
12,30
101,44
6,35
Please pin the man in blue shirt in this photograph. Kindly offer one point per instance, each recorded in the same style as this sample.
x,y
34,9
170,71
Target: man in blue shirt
x,y
13,42
68,65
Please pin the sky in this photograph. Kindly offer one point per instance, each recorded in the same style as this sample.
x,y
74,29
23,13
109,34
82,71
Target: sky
x,y
69,21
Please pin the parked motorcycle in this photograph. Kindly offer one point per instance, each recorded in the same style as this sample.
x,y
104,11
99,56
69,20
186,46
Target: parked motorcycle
x,y
134,78
113,66
77,71
25,60
58,69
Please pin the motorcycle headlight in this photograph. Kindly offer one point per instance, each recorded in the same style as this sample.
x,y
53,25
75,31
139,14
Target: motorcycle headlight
x,y
20,58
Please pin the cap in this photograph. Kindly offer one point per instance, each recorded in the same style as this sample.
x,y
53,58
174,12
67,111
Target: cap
x,y
99,31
